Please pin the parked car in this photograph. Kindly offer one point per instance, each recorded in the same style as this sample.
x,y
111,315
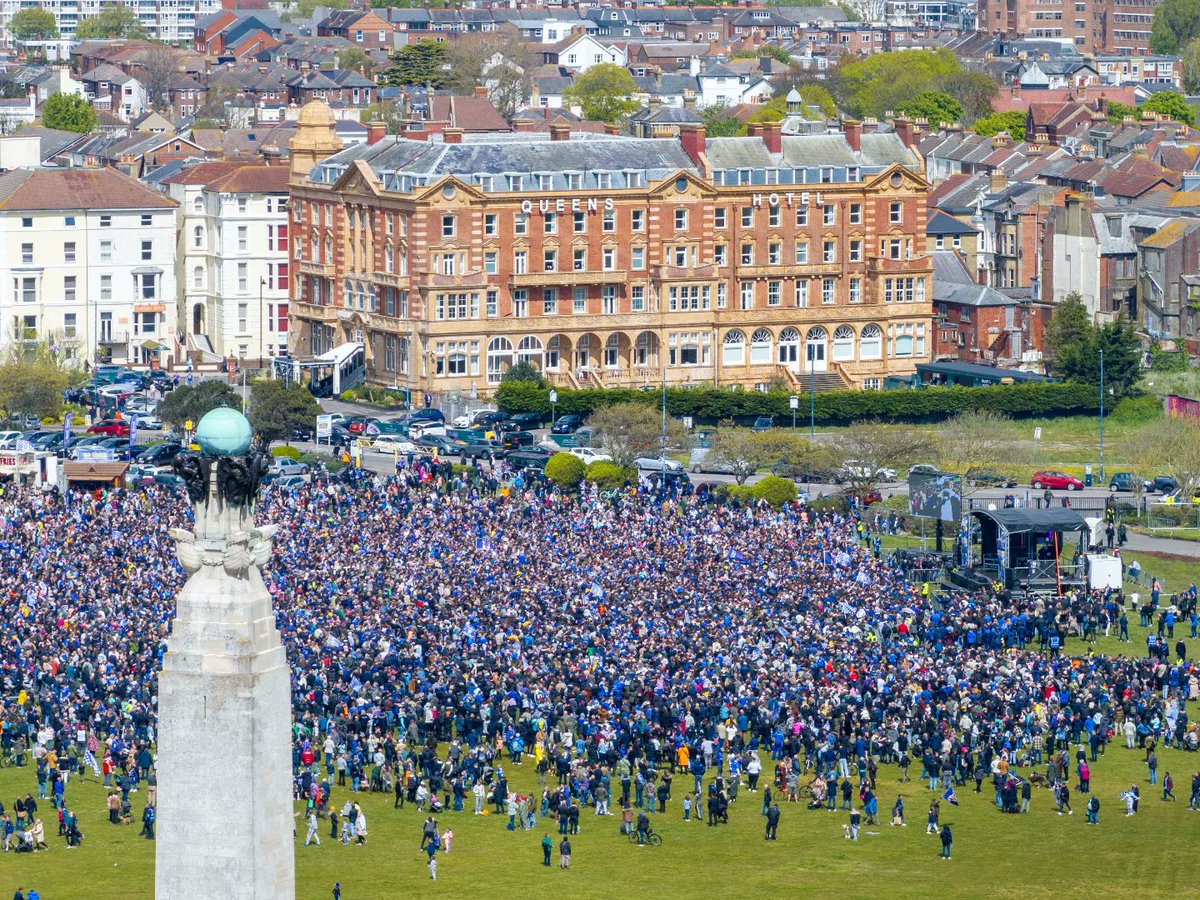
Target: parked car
x,y
390,443
160,454
515,440
426,415
426,427
702,460
303,432
923,469
1126,481
989,478
567,424
87,440
488,417
805,474
656,464
8,439
168,480
530,458
1164,484
763,423
588,455
468,418
481,448
526,421
874,495
150,423
1055,481
48,440
853,470
440,443
284,466
290,482
111,427
356,425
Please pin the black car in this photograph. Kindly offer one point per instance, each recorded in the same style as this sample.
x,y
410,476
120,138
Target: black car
x,y
489,417
441,443
303,433
568,424
529,458
804,474
515,440
426,415
1164,484
160,454
526,421
481,448
989,478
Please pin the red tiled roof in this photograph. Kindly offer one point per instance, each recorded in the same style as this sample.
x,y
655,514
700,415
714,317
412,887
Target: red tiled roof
x,y
101,188
253,179
205,172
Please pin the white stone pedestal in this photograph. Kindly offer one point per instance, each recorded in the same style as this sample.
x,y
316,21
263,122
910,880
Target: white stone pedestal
x,y
224,818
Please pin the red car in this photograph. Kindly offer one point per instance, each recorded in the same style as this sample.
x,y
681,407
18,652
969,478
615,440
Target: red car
x,y
111,427
1056,481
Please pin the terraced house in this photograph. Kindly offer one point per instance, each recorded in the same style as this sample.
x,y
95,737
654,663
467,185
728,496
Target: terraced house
x,y
602,259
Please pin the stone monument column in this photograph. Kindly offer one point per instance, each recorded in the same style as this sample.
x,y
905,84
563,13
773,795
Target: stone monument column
x,y
225,823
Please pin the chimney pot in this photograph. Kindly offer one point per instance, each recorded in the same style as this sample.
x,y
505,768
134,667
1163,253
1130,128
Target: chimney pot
x,y
522,125
772,136
481,91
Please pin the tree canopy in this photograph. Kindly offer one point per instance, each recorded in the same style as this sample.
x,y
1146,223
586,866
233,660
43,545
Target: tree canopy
x,y
1173,104
117,21
1191,67
421,63
630,430
1118,111
1073,344
1012,122
604,92
276,408
1176,23
189,404
33,24
524,371
875,85
68,112
933,106
719,122
32,381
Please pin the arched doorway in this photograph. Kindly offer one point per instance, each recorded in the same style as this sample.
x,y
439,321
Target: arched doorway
x,y
529,350
814,349
645,350
499,358
198,318
789,348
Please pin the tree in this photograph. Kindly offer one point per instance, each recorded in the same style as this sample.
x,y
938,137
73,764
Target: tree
x,y
1191,67
1069,325
189,404
157,73
33,24
775,109
1167,446
604,92
355,60
565,470
774,51
510,88
1176,23
32,380
276,408
1172,104
421,63
1118,111
630,430
744,452
975,439
862,451
1122,353
524,371
775,491
974,90
718,122
1012,123
117,21
386,111
888,81
934,107
68,112
608,476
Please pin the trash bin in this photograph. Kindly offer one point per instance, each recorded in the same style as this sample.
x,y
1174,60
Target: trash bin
x,y
1087,476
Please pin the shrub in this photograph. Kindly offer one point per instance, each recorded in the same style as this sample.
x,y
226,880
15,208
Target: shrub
x,y
49,420
1145,408
608,476
775,490
832,503
729,493
565,470
289,452
349,395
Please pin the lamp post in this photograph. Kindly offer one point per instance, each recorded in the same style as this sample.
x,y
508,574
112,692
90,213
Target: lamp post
x,y
1102,414
663,454
794,403
812,400
262,283
553,406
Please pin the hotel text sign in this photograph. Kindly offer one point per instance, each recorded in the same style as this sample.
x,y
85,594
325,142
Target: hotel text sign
x,y
592,204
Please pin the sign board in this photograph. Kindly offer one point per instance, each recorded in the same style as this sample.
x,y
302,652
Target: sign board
x,y
565,440
95,454
324,427
1037,434
935,496
12,463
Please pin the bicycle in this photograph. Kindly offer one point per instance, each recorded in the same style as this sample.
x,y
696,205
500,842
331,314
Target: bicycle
x,y
652,838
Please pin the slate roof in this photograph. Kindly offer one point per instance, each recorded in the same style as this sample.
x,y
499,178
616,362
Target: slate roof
x,y
943,223
952,283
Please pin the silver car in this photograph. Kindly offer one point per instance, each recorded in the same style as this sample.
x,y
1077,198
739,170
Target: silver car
x,y
655,464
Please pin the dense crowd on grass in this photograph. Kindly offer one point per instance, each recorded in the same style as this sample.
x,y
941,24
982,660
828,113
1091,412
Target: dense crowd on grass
x,y
635,650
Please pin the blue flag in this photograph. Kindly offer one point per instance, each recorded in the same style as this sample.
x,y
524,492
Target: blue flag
x,y
949,797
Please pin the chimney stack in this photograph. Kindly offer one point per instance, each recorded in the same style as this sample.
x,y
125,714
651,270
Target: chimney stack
x,y
772,136
452,136
852,128
560,131
375,132
904,131
481,92
691,139
997,180
522,125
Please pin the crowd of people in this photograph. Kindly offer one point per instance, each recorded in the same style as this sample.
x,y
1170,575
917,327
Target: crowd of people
x,y
633,649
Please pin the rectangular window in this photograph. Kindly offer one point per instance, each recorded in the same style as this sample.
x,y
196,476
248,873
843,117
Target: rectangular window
x,y
574,181
105,287
550,260
802,253
70,324
747,256
637,298
550,223
243,278
26,221
637,258
579,222
447,226
69,221
243,318
26,254
856,290
802,294
147,284
828,286
856,251
489,262
829,215
27,290
802,217
520,304
773,216
610,221
147,251
719,217
855,213
105,221
747,216
829,252
608,300
747,294
609,258
775,254
493,304
106,251
520,224
896,213
243,239
721,255
579,301
69,287
550,302
69,251
681,220
490,227
721,295
520,262
774,293
604,181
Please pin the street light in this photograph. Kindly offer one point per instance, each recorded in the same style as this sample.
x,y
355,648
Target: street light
x,y
812,402
794,403
1102,414
262,283
553,407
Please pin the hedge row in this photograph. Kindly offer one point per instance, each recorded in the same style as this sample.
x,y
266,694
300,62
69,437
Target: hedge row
x,y
707,406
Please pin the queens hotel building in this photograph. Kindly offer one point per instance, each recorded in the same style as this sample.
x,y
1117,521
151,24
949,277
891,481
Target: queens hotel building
x,y
599,259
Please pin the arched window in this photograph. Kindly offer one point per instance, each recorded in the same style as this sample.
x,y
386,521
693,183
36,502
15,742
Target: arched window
x,y
733,352
814,348
198,204
198,237
499,358
645,344
760,347
870,343
789,347
843,343
612,352
198,277
529,350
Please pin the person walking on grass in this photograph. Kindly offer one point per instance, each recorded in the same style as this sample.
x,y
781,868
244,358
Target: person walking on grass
x,y
312,829
1093,810
547,848
947,841
931,825
564,854
1168,784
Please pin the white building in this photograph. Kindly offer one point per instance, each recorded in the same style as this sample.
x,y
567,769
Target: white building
x,y
87,264
585,51
233,258
169,21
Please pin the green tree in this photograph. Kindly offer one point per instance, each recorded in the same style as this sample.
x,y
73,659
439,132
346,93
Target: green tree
x,y
744,452
604,92
1118,111
1122,357
775,491
68,112
32,380
934,107
608,476
630,430
719,123
975,439
1069,325
565,470
864,450
189,404
355,60
775,109
1012,122
1191,67
1173,104
420,63
974,90
524,371
386,111
119,21
1176,23
888,81
33,24
276,408
774,51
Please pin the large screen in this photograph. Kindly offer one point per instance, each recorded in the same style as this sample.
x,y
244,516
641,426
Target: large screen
x,y
935,496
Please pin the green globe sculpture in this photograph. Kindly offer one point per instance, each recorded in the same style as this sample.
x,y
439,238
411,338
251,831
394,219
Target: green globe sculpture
x,y
223,432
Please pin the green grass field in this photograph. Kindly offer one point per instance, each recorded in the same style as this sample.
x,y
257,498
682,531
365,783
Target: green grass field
x,y
994,855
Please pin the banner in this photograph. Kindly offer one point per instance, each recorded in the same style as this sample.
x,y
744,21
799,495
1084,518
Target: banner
x,y
67,430
132,432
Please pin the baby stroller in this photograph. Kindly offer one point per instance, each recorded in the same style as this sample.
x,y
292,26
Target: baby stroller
x,y
435,805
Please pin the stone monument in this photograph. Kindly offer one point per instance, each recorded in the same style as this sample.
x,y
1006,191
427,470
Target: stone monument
x,y
224,698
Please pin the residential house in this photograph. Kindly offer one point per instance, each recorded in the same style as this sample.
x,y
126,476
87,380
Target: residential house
x,y
366,29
